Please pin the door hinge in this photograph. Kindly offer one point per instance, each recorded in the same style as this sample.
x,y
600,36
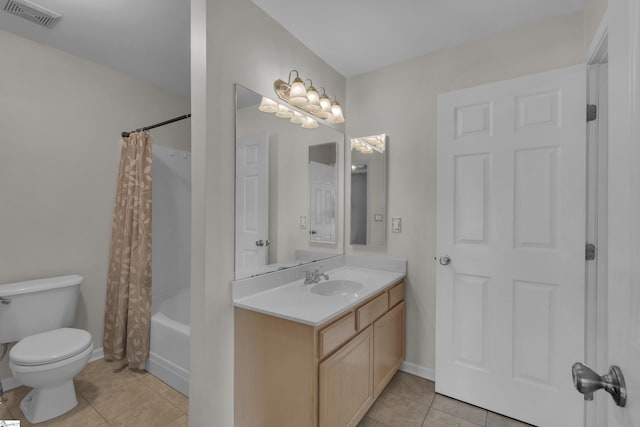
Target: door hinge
x,y
590,252
592,112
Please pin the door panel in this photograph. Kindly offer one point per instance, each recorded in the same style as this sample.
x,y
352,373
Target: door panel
x,y
511,216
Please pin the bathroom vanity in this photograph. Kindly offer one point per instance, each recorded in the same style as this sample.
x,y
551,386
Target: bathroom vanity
x,y
306,359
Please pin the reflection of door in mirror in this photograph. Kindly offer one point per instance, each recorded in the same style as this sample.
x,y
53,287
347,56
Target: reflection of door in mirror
x,y
359,204
252,201
368,190
322,192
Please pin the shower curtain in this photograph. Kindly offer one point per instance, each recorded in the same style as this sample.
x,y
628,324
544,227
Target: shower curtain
x,y
128,307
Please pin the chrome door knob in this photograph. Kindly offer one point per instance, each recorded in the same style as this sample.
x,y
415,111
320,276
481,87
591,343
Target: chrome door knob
x,y
586,381
260,243
445,260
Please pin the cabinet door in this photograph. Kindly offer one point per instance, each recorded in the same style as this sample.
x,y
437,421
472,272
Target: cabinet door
x,y
346,382
388,344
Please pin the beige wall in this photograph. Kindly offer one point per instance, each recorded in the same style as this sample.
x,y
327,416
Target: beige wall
x,y
232,42
400,100
60,123
594,11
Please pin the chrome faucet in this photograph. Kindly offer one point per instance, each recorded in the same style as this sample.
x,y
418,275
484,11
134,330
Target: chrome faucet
x,y
315,276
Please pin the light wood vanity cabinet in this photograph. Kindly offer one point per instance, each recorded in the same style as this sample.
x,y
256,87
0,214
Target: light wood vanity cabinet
x,y
292,374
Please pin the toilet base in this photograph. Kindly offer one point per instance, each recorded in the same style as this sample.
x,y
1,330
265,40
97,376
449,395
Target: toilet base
x,y
42,404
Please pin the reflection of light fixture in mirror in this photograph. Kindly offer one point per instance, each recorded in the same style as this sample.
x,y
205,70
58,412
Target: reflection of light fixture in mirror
x,y
309,123
308,99
297,118
369,144
268,106
283,112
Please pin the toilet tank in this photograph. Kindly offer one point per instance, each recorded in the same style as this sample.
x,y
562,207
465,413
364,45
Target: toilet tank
x,y
37,306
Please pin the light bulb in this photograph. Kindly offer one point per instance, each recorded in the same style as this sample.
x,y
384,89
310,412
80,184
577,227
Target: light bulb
x,y
336,113
325,105
268,106
313,104
298,93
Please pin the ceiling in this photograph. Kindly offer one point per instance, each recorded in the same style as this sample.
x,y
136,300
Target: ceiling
x,y
149,39
357,36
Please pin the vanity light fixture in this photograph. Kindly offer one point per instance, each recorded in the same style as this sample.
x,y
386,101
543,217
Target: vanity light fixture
x,y
336,113
297,94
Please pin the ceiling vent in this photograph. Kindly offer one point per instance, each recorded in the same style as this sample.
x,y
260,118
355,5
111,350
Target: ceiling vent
x,y
32,12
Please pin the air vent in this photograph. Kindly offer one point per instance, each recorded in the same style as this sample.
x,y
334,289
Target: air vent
x,y
32,12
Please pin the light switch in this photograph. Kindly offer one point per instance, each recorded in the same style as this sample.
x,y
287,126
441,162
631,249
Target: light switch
x,y
377,217
396,224
303,222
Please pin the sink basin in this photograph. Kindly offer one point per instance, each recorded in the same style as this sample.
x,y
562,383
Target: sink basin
x,y
336,287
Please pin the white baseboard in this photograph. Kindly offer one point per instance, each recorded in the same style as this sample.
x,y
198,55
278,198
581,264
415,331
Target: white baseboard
x,y
97,354
11,383
420,371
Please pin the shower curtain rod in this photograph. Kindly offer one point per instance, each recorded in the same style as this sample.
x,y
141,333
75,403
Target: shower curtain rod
x,y
175,119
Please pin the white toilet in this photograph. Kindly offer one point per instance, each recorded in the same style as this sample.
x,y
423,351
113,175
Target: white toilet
x,y
48,354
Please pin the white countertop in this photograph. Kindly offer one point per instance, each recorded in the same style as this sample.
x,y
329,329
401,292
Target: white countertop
x,y
294,301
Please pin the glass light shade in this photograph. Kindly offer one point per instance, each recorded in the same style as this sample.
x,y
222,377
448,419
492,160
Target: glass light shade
x,y
336,113
366,150
325,107
313,104
284,112
268,106
297,118
309,123
298,93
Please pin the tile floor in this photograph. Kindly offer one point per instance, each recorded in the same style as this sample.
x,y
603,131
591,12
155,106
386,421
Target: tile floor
x,y
126,398
112,399
410,401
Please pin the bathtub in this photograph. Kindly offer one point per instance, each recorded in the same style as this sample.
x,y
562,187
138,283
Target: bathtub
x,y
170,336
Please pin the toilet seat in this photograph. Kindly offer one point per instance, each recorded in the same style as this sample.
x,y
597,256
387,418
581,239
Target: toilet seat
x,y
50,347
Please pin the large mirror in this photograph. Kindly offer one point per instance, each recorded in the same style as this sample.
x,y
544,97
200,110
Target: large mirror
x,y
289,182
368,190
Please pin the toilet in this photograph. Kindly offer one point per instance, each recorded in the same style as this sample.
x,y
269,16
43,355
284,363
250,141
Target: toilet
x,y
48,354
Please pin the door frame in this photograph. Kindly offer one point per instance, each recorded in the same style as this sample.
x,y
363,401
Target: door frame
x,y
597,207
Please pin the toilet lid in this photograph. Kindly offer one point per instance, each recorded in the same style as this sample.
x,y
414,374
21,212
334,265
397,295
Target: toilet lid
x,y
49,347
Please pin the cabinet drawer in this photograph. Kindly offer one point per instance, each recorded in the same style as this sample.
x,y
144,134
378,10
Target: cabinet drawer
x,y
369,312
336,334
396,294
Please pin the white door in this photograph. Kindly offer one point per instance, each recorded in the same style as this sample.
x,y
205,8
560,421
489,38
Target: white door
x,y
252,203
511,217
623,267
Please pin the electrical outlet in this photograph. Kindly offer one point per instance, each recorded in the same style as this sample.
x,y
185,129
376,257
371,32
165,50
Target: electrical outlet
x,y
396,224
303,222
377,217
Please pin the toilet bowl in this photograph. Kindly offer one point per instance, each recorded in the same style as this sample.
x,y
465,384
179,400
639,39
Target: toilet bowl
x,y
48,362
37,314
